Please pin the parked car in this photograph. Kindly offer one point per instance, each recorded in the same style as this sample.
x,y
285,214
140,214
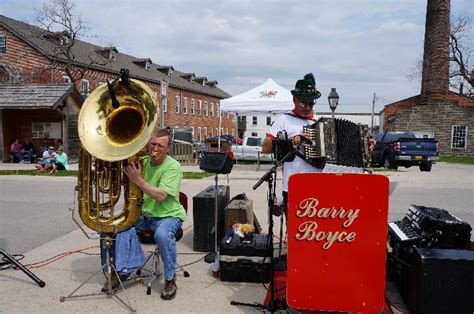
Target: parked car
x,y
251,150
393,149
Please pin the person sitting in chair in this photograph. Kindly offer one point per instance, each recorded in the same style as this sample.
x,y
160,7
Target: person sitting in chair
x,y
161,212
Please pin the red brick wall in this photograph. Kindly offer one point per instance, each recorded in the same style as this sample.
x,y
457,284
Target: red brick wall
x,y
435,75
36,69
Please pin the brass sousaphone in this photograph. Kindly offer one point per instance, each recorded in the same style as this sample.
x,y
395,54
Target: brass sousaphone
x,y
115,123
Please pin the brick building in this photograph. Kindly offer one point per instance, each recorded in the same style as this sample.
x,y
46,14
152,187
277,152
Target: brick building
x,y
436,111
27,56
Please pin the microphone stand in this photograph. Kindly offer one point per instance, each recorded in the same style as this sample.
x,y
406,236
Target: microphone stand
x,y
273,304
12,260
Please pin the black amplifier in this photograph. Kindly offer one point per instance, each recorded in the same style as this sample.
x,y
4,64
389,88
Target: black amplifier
x,y
440,281
245,261
203,217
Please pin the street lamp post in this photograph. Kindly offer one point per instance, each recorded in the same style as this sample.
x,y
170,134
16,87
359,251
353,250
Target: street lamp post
x,y
333,99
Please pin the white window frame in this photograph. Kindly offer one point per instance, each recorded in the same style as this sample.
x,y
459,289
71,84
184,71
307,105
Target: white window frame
x,y
212,132
66,79
178,104
205,132
212,109
3,44
453,135
193,105
200,107
254,120
199,135
85,86
185,105
206,109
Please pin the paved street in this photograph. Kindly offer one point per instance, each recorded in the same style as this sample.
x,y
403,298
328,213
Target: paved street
x,y
35,221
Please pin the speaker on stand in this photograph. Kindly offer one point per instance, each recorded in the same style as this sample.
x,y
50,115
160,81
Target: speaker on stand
x,y
217,163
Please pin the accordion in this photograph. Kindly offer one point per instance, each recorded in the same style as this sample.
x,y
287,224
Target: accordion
x,y
430,227
337,140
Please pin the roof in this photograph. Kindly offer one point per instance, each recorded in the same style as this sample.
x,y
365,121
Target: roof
x,y
84,52
34,96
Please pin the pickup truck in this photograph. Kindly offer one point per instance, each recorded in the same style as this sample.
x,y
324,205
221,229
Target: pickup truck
x,y
393,149
251,150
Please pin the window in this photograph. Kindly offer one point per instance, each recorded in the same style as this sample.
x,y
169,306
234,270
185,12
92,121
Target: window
x,y
269,121
205,132
254,120
254,141
199,107
66,79
217,131
84,87
178,104
212,132
185,105
199,134
212,109
147,65
459,136
206,109
193,103
3,44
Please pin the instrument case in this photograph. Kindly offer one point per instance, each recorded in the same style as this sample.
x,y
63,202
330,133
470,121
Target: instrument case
x,y
241,261
239,211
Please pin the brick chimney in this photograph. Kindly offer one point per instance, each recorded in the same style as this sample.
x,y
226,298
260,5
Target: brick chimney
x,y
435,75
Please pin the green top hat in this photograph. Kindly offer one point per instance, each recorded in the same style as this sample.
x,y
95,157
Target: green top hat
x,y
305,89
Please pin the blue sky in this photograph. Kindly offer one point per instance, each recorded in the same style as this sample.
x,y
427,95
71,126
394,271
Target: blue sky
x,y
358,46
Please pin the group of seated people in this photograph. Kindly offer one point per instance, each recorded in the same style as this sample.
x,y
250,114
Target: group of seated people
x,y
47,158
22,153
53,160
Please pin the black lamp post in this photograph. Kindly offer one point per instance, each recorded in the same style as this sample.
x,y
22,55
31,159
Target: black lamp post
x,y
333,99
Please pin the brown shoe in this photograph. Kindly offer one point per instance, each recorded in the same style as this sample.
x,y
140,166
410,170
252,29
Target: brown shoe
x,y
169,291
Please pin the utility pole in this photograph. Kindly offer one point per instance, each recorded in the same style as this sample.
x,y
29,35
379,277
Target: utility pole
x,y
372,115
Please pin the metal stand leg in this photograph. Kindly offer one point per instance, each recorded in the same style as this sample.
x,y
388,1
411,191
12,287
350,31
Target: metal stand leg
x,y
23,268
110,270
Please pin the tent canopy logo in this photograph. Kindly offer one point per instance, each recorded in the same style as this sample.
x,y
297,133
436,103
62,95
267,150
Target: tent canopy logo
x,y
268,93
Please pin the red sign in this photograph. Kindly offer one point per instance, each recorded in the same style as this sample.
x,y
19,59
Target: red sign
x,y
337,234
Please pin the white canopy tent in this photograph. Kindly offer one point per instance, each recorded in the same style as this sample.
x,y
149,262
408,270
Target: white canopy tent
x,y
265,99
268,98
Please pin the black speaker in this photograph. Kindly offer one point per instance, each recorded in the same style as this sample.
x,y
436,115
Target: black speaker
x,y
441,281
203,217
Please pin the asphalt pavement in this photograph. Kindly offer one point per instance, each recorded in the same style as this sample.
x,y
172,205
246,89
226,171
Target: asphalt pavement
x,y
35,221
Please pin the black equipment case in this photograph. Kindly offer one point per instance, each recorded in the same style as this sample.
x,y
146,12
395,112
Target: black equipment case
x,y
440,281
203,216
245,261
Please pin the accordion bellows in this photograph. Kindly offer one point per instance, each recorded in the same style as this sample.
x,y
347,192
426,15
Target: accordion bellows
x,y
342,142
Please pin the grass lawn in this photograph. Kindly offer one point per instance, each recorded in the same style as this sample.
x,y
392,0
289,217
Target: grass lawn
x,y
457,160
73,173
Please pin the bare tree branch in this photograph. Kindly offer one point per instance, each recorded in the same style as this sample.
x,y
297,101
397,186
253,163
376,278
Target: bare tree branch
x,y
65,28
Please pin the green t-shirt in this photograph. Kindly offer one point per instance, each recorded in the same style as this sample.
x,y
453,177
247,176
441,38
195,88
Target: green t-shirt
x,y
166,176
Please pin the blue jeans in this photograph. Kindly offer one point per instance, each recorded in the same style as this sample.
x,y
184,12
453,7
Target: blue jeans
x,y
165,231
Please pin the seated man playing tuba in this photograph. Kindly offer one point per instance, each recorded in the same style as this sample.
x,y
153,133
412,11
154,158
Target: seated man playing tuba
x,y
161,212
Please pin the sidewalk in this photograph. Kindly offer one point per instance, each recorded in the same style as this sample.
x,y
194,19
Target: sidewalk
x,y
199,293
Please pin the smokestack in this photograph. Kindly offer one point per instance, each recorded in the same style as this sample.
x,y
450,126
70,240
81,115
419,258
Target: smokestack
x,y
435,75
